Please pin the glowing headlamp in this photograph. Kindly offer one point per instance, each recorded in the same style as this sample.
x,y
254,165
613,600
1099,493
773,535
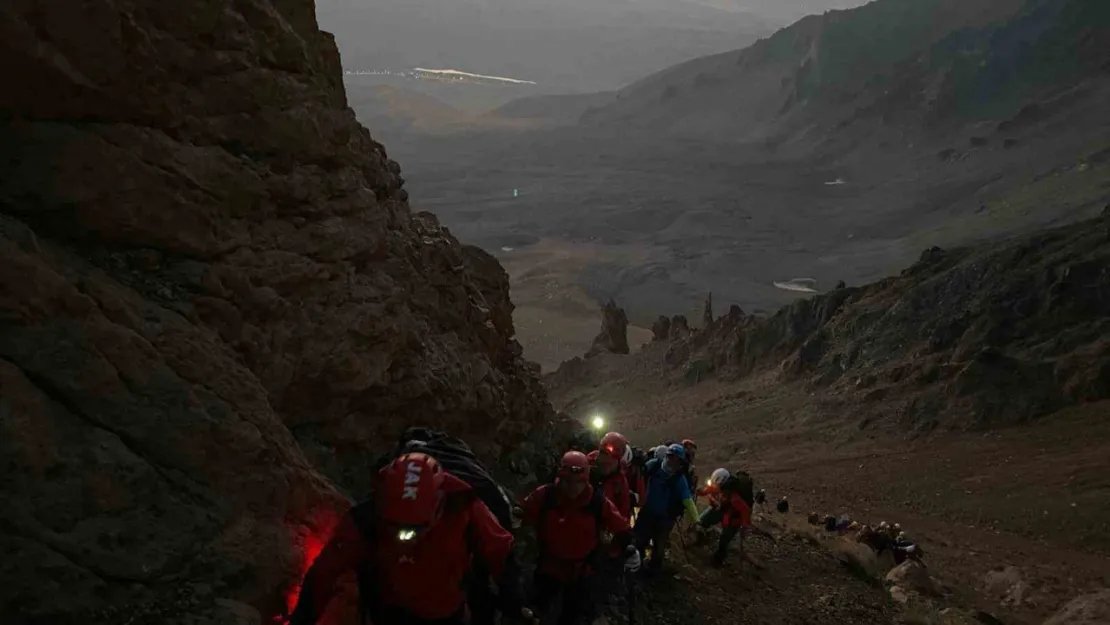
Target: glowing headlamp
x,y
598,422
405,535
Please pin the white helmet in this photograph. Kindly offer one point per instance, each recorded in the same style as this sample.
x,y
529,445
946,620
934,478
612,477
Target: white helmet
x,y
719,476
661,453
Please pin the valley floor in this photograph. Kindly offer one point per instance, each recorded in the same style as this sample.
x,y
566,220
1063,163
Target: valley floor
x,y
1032,498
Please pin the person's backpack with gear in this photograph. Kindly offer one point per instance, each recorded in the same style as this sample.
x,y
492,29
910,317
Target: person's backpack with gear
x,y
740,482
456,457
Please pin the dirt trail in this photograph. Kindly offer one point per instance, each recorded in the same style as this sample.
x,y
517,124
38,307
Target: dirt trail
x,y
787,582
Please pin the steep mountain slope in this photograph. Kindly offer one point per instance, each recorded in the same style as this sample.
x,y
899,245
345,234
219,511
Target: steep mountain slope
x,y
896,63
965,398
213,295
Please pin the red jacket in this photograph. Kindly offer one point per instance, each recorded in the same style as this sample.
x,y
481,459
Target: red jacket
x,y
737,511
568,532
616,490
635,478
424,577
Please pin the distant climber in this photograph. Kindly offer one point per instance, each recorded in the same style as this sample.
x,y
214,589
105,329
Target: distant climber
x,y
783,506
570,516
668,498
707,312
906,548
411,544
761,497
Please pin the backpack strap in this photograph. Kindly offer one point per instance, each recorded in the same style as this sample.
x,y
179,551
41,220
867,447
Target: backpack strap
x,y
596,506
547,504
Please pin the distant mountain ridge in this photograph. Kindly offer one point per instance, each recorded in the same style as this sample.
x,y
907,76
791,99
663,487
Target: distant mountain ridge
x,y
893,62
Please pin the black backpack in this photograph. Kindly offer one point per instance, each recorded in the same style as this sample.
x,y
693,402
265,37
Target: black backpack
x,y
639,459
741,484
456,457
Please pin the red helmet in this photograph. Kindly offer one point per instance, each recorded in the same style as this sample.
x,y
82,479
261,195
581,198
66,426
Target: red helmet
x,y
616,445
574,466
688,444
410,492
592,456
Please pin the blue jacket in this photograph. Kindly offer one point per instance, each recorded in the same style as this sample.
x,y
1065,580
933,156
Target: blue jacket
x,y
666,494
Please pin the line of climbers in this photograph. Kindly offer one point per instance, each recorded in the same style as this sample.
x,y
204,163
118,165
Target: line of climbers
x,y
434,538
881,538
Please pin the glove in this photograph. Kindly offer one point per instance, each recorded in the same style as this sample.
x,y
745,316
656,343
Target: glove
x,y
632,562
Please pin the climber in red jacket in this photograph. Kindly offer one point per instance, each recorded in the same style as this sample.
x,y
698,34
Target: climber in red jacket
x,y
611,456
411,545
570,517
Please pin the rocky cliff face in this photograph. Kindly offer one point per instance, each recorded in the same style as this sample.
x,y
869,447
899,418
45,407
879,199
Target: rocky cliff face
x,y
213,299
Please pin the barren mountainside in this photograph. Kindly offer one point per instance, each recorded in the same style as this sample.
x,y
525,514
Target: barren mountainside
x,y
968,338
215,304
892,62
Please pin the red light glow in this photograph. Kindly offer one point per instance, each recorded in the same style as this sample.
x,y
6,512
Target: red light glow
x,y
312,539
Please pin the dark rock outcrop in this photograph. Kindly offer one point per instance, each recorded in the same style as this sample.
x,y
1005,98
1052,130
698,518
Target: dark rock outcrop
x,y
613,338
680,328
213,295
661,329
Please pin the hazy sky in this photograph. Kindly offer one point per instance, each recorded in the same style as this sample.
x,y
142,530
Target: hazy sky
x,y
566,45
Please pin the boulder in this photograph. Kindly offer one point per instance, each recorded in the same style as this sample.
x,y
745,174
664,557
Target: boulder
x,y
1090,609
613,337
1007,586
215,306
914,578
